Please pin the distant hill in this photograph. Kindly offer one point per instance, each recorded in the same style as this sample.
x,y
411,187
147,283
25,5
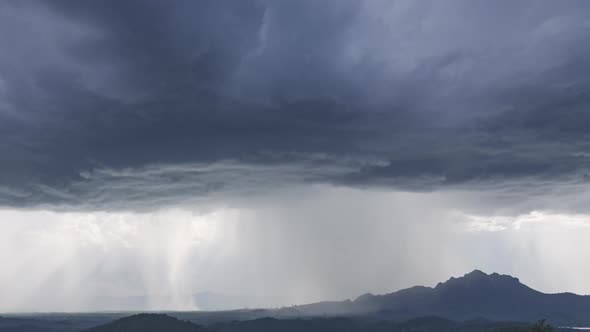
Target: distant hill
x,y
206,301
474,302
475,295
163,323
148,323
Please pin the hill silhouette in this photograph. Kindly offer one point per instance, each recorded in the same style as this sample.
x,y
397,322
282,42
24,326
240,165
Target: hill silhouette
x,y
474,295
153,322
474,302
148,323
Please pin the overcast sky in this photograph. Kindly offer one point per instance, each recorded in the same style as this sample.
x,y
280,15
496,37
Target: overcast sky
x,y
290,150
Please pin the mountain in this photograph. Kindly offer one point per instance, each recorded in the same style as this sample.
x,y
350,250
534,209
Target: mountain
x,y
474,302
475,295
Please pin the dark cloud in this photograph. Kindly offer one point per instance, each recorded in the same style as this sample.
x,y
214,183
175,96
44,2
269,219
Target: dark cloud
x,y
419,95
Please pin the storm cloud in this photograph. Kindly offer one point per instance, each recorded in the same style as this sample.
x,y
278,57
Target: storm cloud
x,y
240,96
288,151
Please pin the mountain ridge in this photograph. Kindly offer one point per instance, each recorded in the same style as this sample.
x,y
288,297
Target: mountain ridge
x,y
474,295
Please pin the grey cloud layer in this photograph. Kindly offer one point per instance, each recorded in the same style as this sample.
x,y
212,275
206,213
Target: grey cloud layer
x,y
416,94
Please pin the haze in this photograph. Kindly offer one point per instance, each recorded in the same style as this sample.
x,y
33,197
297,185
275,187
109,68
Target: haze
x,y
285,152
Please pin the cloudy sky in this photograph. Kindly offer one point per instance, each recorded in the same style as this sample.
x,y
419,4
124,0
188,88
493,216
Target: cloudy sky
x,y
289,151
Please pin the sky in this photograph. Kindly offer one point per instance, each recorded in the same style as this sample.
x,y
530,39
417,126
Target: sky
x,y
286,152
